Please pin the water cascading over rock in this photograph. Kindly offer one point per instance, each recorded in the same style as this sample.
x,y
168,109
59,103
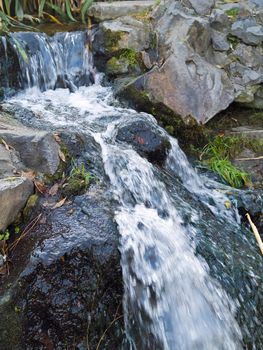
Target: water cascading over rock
x,y
192,278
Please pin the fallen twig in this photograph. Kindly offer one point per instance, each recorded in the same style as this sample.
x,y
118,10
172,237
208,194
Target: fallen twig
x,y
256,233
106,330
255,158
27,229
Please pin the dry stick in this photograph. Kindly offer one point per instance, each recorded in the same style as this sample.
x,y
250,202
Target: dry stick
x,y
256,233
28,228
255,158
106,330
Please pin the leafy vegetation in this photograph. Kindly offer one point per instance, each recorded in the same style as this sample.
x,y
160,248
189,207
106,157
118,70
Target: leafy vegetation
x,y
233,12
13,12
217,155
4,236
78,180
130,55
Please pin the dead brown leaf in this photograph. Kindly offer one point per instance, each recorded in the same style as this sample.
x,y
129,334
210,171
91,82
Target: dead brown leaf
x,y
48,204
29,174
57,138
53,190
40,187
62,156
7,147
60,203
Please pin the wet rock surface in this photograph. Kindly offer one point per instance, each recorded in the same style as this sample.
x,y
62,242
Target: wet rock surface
x,y
65,284
14,193
146,140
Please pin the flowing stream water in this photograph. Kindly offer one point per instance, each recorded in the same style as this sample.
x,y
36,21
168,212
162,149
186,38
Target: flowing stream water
x,y
180,246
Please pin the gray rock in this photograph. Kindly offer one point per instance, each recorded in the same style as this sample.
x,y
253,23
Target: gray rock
x,y
37,149
14,193
220,42
7,167
249,162
257,3
102,11
250,56
219,20
248,31
201,7
123,33
183,81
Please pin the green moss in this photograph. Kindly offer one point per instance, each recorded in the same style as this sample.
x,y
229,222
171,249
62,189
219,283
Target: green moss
x,y
142,15
31,202
130,55
111,41
78,180
233,13
233,40
116,66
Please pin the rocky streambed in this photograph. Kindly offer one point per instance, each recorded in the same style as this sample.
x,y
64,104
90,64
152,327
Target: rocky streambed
x,y
108,208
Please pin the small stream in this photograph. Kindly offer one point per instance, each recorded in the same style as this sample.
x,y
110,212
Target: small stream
x,y
192,276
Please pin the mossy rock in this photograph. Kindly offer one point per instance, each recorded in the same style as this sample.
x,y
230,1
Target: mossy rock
x,y
117,66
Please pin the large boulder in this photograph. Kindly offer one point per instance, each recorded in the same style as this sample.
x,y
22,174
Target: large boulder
x,y
184,81
146,139
120,34
102,11
203,64
36,149
65,287
14,192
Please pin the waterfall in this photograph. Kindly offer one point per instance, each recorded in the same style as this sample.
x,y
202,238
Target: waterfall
x,y
48,62
179,244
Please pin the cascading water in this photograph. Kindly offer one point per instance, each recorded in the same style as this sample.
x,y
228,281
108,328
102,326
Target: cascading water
x,y
168,219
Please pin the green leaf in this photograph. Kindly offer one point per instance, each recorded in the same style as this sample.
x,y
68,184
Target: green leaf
x,y
41,8
68,10
7,6
57,9
4,17
84,9
19,10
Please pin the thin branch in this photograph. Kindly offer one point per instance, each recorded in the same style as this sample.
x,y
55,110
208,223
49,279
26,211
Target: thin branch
x,y
255,158
256,233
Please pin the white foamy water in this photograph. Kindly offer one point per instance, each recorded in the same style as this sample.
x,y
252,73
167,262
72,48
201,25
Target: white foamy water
x,y
170,301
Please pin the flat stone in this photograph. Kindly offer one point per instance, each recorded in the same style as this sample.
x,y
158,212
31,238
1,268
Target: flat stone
x,y
37,149
201,7
14,193
248,31
219,40
102,11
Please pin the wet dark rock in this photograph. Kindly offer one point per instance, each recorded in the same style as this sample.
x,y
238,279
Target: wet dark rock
x,y
70,290
146,139
9,68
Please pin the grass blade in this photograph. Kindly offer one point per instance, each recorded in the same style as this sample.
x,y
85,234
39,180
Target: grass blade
x,y
68,10
84,9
